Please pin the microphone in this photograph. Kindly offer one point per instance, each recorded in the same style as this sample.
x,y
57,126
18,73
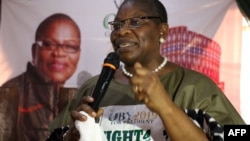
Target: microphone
x,y
111,64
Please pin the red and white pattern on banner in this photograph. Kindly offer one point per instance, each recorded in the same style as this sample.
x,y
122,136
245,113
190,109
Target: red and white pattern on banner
x,y
194,51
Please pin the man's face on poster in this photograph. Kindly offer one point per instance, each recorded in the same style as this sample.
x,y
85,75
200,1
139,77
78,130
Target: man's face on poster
x,y
57,51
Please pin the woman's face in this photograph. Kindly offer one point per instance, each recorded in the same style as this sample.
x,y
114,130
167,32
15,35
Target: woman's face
x,y
136,43
58,64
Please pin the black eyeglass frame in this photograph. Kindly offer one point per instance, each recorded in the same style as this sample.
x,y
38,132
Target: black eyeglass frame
x,y
40,44
122,22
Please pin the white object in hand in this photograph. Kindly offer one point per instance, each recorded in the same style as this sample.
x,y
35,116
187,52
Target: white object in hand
x,y
89,130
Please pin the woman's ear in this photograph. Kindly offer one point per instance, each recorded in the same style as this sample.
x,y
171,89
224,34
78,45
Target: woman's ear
x,y
164,30
163,33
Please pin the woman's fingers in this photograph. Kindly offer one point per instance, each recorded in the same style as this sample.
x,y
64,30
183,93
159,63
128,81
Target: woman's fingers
x,y
87,99
78,116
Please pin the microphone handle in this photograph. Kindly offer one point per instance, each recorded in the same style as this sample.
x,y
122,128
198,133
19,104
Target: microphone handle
x,y
101,87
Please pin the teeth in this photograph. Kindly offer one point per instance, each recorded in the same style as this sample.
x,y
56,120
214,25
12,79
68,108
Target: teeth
x,y
125,45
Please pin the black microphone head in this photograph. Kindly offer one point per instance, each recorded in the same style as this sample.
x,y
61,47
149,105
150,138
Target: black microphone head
x,y
113,58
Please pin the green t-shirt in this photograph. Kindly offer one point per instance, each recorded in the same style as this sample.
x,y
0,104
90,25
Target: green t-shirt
x,y
188,89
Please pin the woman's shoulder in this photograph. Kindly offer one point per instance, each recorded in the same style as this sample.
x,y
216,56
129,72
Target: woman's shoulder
x,y
91,81
187,78
187,73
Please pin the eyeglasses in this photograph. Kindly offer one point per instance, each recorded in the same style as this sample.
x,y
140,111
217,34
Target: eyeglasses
x,y
131,22
49,45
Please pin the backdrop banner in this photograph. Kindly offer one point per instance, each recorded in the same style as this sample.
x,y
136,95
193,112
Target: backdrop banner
x,y
204,35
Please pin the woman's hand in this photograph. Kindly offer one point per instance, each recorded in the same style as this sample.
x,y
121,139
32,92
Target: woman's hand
x,y
148,89
73,133
87,109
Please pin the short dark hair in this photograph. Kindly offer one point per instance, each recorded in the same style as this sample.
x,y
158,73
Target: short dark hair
x,y
52,18
157,8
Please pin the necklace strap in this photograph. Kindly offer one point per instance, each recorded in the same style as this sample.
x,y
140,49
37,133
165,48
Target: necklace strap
x,y
164,62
